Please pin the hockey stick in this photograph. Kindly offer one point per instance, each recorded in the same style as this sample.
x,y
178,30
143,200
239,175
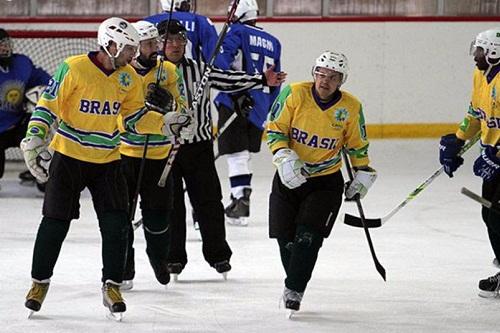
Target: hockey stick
x,y
378,265
199,90
133,206
477,198
378,222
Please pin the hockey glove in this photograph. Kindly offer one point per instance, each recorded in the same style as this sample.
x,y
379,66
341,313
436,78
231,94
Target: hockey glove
x,y
37,157
449,147
178,124
159,99
290,168
244,104
487,165
361,183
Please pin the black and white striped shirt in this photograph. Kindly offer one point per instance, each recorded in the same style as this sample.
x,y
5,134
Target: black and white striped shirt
x,y
223,80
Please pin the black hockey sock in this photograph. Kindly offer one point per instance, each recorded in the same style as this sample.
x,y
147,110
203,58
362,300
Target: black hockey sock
x,y
114,232
304,253
156,232
285,253
49,239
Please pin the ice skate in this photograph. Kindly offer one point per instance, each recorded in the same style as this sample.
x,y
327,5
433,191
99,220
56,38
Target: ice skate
x,y
26,178
112,299
36,295
291,300
238,211
223,267
160,267
175,269
488,288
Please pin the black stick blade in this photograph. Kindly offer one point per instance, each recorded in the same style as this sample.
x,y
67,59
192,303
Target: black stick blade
x,y
355,221
380,270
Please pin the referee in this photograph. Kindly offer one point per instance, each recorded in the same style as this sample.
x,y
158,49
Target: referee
x,y
195,163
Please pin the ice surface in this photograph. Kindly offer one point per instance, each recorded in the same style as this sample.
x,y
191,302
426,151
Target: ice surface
x,y
435,250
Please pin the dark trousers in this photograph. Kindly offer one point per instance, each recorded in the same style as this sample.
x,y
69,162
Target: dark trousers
x,y
491,192
156,207
68,178
12,138
196,165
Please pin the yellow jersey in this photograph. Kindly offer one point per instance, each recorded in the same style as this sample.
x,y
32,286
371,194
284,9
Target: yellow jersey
x,y
86,101
317,133
159,146
484,111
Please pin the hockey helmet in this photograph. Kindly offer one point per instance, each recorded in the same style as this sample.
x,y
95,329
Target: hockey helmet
x,y
179,5
119,31
146,30
247,10
489,41
334,61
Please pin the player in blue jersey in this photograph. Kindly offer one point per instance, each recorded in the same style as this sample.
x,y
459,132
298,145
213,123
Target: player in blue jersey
x,y
249,48
18,74
201,32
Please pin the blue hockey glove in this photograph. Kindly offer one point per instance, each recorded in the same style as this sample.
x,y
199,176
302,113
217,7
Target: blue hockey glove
x,y
449,147
487,165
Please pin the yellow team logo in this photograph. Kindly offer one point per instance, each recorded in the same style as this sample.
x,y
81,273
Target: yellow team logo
x,y
13,96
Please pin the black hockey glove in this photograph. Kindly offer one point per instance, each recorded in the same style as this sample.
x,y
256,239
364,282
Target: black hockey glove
x,y
243,104
159,99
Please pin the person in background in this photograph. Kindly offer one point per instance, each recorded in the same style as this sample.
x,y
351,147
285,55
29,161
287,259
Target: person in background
x,y
18,75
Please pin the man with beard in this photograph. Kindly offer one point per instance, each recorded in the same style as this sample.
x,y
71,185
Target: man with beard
x,y
156,201
482,116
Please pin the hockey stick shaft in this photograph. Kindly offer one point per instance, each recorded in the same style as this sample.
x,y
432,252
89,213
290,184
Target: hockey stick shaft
x,y
485,202
159,74
378,265
200,90
377,222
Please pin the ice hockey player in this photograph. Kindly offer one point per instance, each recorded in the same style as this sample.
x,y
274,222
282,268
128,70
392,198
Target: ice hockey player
x,y
86,95
249,48
156,202
18,75
200,30
194,163
483,116
308,126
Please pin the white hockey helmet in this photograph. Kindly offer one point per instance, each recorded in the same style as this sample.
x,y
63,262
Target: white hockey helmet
x,y
118,30
180,5
146,30
489,41
247,10
334,61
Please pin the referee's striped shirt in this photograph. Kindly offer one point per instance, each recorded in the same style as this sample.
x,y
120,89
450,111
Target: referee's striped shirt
x,y
223,80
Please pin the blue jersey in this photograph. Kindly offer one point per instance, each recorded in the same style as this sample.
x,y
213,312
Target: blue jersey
x,y
201,33
252,50
21,75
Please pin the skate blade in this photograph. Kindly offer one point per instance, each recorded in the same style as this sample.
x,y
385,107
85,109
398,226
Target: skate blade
x,y
224,276
176,277
488,294
290,313
237,222
31,313
115,316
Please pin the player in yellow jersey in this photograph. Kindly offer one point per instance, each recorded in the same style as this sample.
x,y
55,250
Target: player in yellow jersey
x,y
484,116
156,202
308,126
86,96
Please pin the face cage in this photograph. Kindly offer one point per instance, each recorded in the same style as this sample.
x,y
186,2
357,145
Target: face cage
x,y
10,45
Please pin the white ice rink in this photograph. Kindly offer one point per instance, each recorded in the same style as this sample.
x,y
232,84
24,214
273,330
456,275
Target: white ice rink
x,y
435,251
